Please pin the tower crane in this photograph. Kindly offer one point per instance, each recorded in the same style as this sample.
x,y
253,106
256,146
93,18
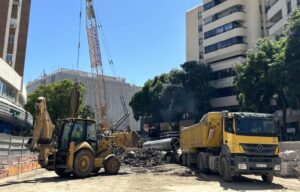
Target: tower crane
x,y
96,65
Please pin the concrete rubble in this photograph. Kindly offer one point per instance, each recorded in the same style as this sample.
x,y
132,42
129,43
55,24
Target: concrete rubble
x,y
290,159
139,157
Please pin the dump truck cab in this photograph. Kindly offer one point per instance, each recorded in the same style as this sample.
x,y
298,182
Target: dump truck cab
x,y
232,144
249,145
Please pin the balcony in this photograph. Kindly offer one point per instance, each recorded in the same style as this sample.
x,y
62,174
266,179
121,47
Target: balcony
x,y
220,83
241,31
277,27
224,101
221,7
234,50
212,4
274,9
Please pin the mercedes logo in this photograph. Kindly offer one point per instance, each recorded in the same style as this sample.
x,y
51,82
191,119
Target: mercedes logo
x,y
260,148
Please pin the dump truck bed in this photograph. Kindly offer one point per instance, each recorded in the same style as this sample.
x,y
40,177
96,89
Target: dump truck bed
x,y
203,134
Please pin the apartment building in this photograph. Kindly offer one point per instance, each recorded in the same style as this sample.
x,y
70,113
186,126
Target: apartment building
x,y
14,20
278,12
113,86
194,36
226,30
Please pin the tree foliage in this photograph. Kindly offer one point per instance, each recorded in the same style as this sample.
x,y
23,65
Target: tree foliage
x,y
256,79
292,58
271,72
169,97
58,98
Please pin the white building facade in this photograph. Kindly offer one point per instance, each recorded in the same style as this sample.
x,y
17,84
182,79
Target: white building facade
x,y
114,87
14,120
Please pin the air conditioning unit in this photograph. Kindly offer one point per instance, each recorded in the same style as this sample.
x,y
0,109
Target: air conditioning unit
x,y
16,2
13,25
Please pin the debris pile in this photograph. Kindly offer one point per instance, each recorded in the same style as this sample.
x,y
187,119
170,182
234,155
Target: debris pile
x,y
298,170
289,161
139,157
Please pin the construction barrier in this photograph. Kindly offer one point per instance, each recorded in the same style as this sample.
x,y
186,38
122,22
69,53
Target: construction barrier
x,y
15,158
290,158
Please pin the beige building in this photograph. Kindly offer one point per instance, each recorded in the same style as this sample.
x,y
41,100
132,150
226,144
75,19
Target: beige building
x,y
226,30
278,12
194,37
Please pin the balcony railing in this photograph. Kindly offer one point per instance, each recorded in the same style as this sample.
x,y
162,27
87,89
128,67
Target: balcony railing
x,y
212,4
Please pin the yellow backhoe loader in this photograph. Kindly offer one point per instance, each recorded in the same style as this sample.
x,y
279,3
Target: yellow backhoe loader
x,y
76,147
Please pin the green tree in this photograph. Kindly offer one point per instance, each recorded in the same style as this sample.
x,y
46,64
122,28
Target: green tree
x,y
262,78
292,58
58,98
168,97
253,82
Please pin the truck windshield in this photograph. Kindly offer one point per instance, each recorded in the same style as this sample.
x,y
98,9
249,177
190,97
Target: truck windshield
x,y
256,126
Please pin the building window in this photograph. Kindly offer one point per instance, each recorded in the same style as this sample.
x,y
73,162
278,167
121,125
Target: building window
x,y
11,39
9,58
8,92
298,2
226,12
200,15
224,44
225,92
200,29
222,29
212,4
200,41
289,7
224,73
200,55
1,88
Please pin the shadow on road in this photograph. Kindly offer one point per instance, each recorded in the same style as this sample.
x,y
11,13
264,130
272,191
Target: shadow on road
x,y
240,183
54,179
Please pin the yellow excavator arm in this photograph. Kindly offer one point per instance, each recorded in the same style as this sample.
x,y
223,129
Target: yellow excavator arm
x,y
43,127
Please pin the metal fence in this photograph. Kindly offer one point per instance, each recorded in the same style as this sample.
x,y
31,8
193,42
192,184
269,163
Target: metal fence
x,y
12,145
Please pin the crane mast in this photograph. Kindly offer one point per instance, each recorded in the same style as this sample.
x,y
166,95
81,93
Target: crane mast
x,y
96,66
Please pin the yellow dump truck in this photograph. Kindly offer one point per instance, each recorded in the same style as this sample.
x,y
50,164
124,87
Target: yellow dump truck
x,y
232,144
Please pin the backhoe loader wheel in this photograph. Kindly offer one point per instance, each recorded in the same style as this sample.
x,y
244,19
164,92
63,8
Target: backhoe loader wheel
x,y
83,163
112,165
61,173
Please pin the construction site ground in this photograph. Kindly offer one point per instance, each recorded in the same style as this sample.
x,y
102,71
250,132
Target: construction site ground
x,y
168,177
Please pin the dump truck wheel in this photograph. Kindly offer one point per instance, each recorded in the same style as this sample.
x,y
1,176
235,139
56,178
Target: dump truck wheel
x,y
225,170
183,156
83,163
267,178
201,162
189,160
61,173
112,165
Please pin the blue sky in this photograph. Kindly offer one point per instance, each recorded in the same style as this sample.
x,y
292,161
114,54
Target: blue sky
x,y
145,37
